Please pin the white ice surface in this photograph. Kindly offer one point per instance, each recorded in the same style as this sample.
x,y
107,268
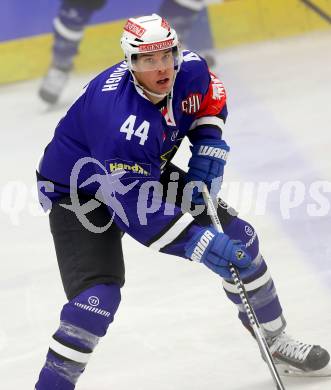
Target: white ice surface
x,y
175,329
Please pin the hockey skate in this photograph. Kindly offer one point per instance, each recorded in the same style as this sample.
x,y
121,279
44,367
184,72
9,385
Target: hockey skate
x,y
294,358
53,84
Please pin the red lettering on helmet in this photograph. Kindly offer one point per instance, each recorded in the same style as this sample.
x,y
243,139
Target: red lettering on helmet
x,y
155,46
165,24
134,29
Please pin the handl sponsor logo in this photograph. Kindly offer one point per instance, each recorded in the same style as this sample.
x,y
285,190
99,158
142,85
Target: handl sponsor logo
x,y
138,169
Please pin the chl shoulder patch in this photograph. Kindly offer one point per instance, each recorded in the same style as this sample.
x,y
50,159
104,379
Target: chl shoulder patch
x,y
191,105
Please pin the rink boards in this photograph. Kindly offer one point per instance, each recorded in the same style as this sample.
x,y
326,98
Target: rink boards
x,y
232,22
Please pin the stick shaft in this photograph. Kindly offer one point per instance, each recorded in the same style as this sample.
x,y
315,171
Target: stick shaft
x,y
254,322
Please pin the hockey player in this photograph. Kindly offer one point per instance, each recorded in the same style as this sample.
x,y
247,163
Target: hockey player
x,y
69,25
74,15
115,145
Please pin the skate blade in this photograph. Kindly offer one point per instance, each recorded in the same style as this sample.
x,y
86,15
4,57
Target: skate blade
x,y
286,370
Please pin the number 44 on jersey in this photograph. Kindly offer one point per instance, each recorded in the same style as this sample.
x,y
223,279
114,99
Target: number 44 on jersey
x,y
129,127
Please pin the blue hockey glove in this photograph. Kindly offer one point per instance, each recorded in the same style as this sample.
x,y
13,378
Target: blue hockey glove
x,y
217,250
206,164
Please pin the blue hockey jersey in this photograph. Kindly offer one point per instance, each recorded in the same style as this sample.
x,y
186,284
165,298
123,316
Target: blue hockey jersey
x,y
114,143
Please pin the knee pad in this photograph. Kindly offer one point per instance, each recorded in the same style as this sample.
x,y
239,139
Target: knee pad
x,y
84,320
93,310
238,229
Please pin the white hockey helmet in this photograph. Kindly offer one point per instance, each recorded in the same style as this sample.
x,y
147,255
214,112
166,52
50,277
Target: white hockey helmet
x,y
148,34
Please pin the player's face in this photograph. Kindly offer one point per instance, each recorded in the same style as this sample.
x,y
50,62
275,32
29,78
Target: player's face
x,y
155,71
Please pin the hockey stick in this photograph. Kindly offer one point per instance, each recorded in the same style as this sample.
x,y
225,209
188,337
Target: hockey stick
x,y
254,322
319,11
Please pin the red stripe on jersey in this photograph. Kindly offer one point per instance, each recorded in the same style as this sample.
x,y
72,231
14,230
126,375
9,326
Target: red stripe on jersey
x,y
214,100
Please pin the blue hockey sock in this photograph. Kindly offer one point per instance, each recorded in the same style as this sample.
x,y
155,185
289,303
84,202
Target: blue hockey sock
x,y
259,284
55,373
83,321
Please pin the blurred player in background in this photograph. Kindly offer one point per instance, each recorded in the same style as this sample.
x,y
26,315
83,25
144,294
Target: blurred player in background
x,y
190,20
74,15
69,25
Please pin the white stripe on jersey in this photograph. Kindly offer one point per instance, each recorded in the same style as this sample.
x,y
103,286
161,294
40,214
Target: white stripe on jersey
x,y
173,232
208,120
